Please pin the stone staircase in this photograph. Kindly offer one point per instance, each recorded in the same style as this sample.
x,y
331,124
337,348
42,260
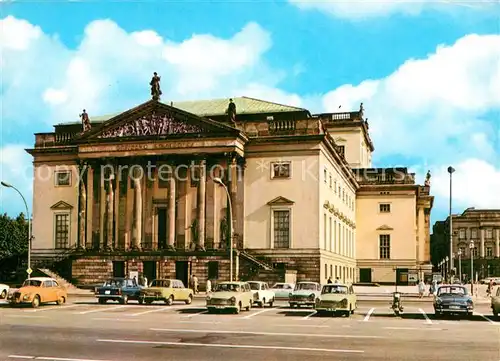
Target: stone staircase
x,y
63,282
256,261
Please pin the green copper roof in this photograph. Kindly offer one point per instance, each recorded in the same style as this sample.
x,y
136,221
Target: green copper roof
x,y
214,107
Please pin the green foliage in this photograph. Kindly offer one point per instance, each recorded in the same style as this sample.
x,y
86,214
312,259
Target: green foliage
x,y
13,235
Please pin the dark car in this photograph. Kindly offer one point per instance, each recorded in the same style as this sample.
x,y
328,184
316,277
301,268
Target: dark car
x,y
453,299
119,289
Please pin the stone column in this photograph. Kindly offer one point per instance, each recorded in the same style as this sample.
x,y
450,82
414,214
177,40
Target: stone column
x,y
212,213
82,213
201,194
129,213
102,209
137,228
171,212
481,230
110,215
233,190
90,205
117,209
497,242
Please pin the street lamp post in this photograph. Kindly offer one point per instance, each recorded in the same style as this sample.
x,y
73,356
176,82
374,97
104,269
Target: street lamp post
x,y
451,170
221,183
460,265
7,185
446,269
471,246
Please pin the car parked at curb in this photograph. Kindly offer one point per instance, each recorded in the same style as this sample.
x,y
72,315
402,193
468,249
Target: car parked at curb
x,y
337,299
495,303
305,294
234,296
282,290
166,290
262,295
453,299
119,289
38,290
4,291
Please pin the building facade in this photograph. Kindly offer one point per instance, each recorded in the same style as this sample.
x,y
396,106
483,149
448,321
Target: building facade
x,y
154,190
476,234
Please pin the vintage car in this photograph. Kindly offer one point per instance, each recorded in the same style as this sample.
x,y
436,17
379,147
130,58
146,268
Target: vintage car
x,y
4,291
119,289
453,299
262,295
282,290
38,290
168,291
305,294
337,299
230,296
495,303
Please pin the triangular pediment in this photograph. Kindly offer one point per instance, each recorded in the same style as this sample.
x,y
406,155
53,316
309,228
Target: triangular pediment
x,y
340,140
61,205
155,119
280,201
385,227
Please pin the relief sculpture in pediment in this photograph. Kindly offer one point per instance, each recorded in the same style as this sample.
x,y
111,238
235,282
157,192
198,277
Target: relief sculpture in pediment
x,y
151,125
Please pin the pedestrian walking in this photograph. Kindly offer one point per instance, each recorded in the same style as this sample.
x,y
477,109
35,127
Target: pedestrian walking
x,y
329,280
421,288
195,284
208,286
490,288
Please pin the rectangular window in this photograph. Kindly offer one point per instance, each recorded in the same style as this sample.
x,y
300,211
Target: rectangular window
x,y
461,233
475,252
330,235
325,230
282,229
325,174
280,170
384,208
385,246
473,233
62,230
489,233
213,270
326,270
63,178
331,181
489,251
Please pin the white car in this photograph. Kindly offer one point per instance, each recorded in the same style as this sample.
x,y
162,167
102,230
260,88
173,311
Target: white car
x,y
305,294
4,291
282,290
262,295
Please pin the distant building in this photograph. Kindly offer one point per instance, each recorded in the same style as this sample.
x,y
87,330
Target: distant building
x,y
477,227
304,203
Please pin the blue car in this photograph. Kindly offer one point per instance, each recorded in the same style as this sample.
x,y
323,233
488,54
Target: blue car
x,y
119,289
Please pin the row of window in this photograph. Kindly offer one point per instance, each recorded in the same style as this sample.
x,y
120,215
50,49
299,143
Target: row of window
x,y
338,237
465,251
343,273
474,232
338,189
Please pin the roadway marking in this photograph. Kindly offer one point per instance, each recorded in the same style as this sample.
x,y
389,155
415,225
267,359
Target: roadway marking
x,y
367,317
257,313
300,325
263,333
427,319
100,310
413,328
50,358
195,314
114,319
25,316
52,308
154,310
488,319
309,315
231,346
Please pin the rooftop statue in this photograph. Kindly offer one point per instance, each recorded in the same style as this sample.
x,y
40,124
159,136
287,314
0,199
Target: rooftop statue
x,y
428,179
155,86
85,121
361,110
231,111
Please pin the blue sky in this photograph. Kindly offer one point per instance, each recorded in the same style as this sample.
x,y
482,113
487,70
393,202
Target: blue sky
x,y
428,73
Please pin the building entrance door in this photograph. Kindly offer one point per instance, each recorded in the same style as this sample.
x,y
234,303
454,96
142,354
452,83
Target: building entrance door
x,y
182,271
365,275
118,269
149,270
161,228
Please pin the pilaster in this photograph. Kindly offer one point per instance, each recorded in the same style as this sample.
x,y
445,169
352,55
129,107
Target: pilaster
x,y
90,206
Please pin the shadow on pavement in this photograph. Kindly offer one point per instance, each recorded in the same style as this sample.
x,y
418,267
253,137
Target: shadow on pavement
x,y
432,316
189,311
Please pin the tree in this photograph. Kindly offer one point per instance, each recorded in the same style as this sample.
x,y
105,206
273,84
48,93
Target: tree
x,y
13,235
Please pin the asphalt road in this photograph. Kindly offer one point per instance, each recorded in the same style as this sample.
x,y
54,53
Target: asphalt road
x,y
86,331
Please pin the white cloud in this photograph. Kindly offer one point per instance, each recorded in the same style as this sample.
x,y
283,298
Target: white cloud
x,y
475,184
434,107
16,169
54,96
17,34
271,94
365,9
